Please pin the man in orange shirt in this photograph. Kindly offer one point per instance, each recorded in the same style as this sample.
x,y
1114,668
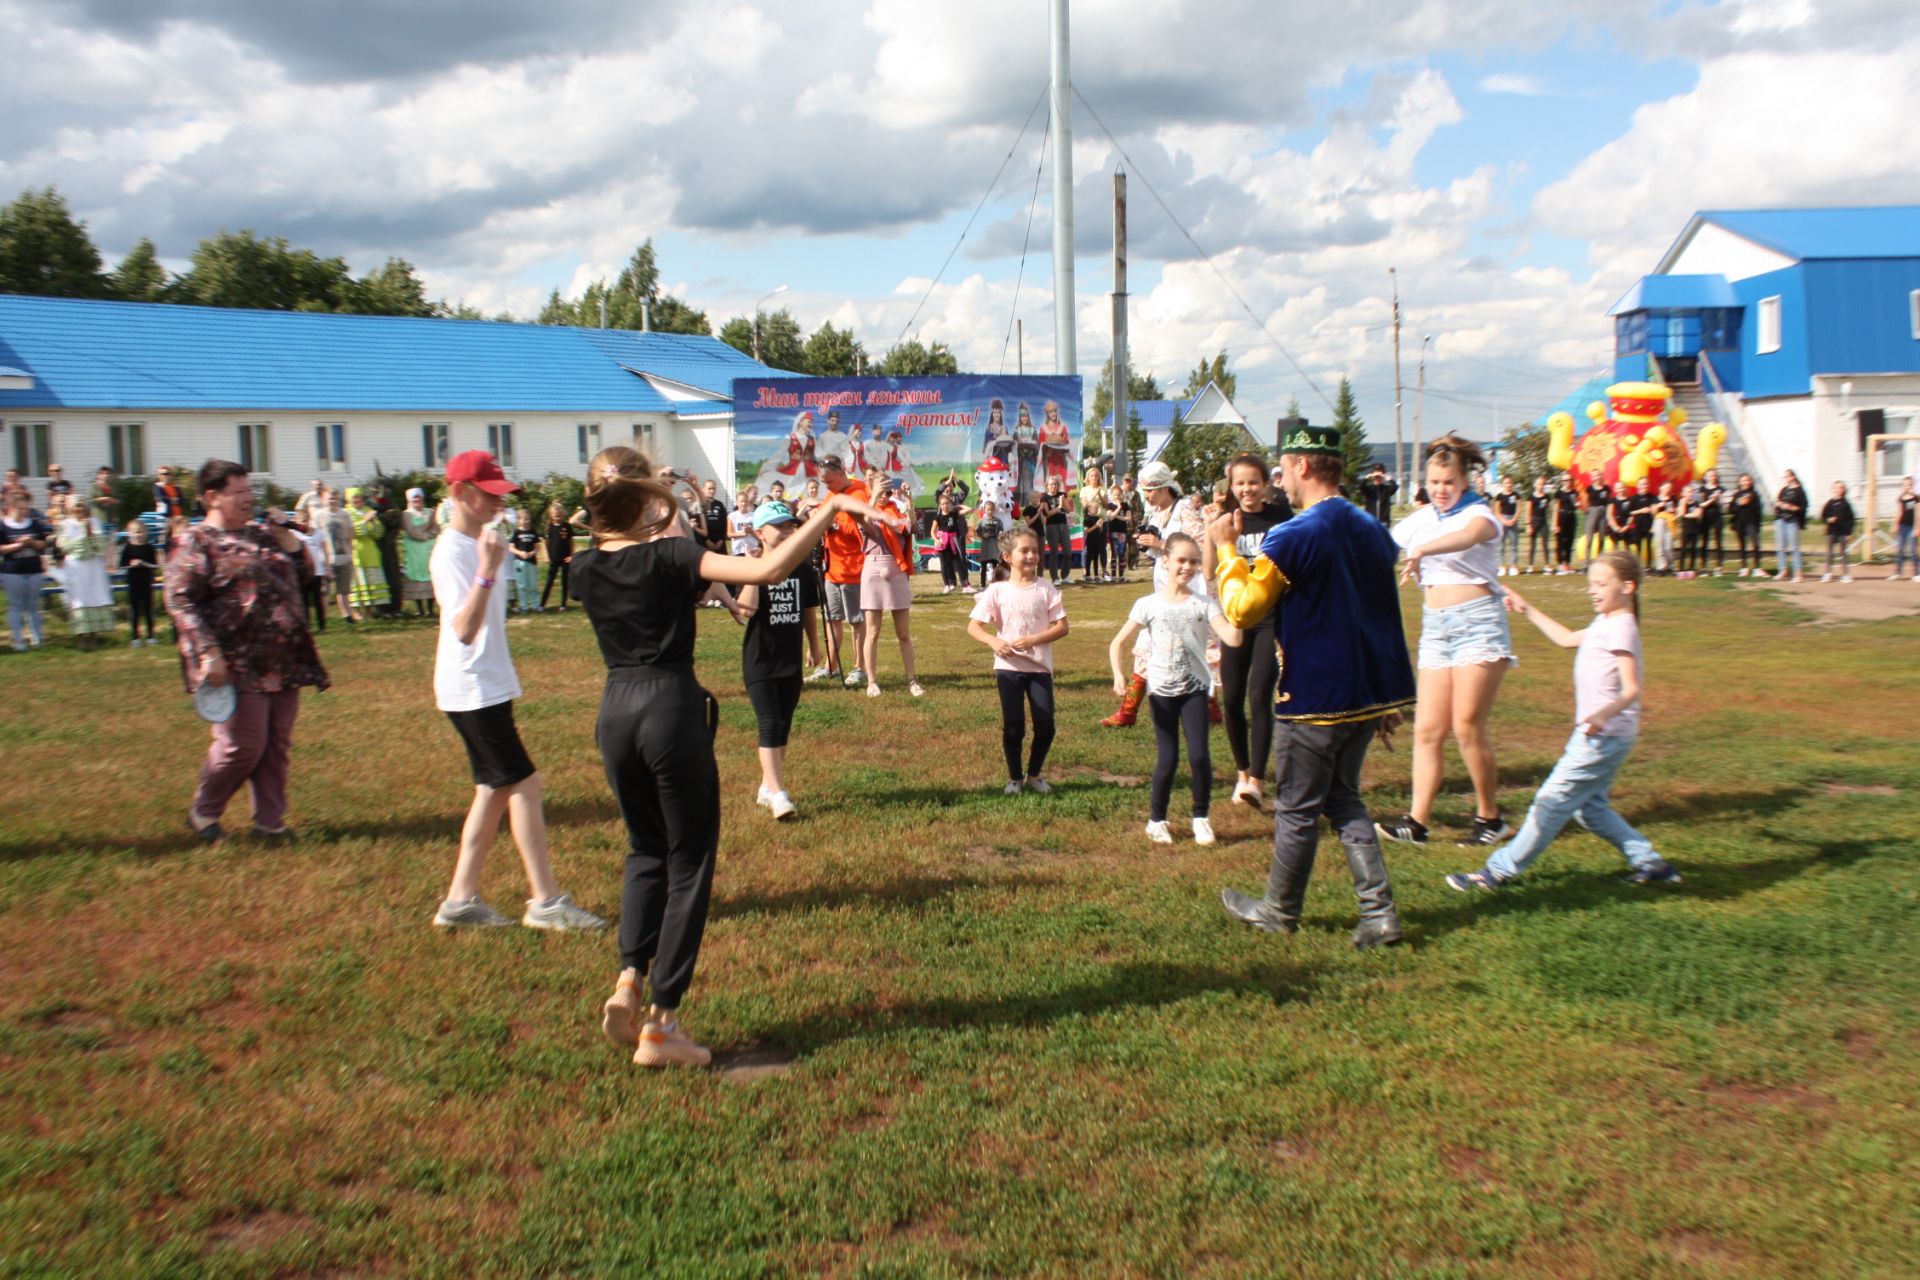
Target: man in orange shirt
x,y
846,553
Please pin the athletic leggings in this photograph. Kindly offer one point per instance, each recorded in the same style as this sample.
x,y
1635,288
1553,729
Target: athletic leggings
x,y
986,571
1539,542
140,605
1597,530
1096,555
1249,673
1170,713
1713,529
1748,536
1018,690
953,567
773,702
559,568
1693,551
1059,556
1563,545
313,592
656,732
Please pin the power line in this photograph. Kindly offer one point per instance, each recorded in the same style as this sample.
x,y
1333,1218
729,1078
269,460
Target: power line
x,y
1204,255
1019,279
904,329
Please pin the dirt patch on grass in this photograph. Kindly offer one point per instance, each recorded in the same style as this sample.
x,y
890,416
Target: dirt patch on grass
x,y
258,1230
1469,1164
744,1066
1863,1046
1862,600
1292,1152
1851,789
1748,1096
1704,1249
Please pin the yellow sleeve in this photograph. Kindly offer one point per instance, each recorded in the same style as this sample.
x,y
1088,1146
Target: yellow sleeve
x,y
1248,592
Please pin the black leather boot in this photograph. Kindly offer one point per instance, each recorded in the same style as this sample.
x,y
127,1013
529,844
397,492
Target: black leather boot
x,y
1379,922
1279,911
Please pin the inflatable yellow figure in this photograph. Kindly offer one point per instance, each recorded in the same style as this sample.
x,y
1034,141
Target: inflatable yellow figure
x,y
1635,437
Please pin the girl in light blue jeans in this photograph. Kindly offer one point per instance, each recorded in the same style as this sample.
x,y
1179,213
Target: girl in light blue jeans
x,y
1789,517
1606,682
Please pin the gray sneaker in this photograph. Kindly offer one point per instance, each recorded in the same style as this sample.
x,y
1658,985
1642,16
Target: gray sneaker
x,y
561,914
1039,786
471,914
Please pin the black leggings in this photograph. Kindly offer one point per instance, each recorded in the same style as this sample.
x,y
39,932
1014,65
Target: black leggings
x,y
1249,673
1563,545
313,592
554,567
656,733
1095,558
987,568
1748,536
1540,542
1018,689
774,699
1059,554
1693,551
953,567
140,605
1714,531
1170,713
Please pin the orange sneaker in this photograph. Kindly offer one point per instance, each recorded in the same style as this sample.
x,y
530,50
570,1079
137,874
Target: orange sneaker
x,y
663,1044
620,1015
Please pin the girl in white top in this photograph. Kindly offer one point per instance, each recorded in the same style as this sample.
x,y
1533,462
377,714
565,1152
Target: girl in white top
x,y
1606,699
1176,621
1027,615
1452,550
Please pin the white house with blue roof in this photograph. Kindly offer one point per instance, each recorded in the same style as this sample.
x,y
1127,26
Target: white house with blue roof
x,y
293,395
1797,328
1210,408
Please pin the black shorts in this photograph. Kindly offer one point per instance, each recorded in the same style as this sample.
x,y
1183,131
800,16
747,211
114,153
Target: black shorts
x,y
493,745
773,702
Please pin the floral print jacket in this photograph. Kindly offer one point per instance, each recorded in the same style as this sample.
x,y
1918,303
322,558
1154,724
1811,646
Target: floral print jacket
x,y
235,590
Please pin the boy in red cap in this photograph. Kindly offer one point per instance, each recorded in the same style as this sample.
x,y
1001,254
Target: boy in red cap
x,y
475,684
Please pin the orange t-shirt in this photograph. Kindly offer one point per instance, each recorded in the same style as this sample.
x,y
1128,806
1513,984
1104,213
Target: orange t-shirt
x,y
845,541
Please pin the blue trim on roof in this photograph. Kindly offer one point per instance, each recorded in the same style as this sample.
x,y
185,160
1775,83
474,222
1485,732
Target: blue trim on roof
x,y
1154,414
135,355
1891,231
1676,293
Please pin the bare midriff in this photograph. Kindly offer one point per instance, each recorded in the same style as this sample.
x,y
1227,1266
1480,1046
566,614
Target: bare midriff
x,y
1451,593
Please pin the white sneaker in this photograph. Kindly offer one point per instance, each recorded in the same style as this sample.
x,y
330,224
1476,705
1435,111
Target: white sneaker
x,y
471,914
1158,833
782,805
762,797
1846,577
1826,577
1202,831
946,591
967,591
855,678
1039,786
560,915
1011,789
1247,793
819,673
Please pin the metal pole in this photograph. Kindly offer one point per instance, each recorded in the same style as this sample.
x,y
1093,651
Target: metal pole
x,y
1066,354
1119,315
1020,346
1399,454
1419,407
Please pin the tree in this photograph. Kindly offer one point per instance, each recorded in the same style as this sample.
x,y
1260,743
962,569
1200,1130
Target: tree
x,y
1140,386
1523,455
1212,371
1353,433
780,342
912,360
393,290
1136,443
44,251
1199,455
631,299
140,277
240,269
832,353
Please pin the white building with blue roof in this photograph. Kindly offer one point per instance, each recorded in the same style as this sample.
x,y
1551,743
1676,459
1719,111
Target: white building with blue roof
x,y
1797,328
294,395
1210,408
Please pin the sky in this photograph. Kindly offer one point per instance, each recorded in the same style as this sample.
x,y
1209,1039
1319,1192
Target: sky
x,y
1517,165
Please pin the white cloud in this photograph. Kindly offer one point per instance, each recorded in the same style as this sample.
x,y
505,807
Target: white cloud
x,y
1513,82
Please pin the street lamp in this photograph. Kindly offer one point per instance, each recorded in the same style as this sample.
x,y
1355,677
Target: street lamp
x,y
756,320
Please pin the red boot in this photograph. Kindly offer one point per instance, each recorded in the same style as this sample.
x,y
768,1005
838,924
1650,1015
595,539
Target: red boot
x,y
1129,705
1214,714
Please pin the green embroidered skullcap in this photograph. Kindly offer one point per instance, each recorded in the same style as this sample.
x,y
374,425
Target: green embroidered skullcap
x,y
1310,439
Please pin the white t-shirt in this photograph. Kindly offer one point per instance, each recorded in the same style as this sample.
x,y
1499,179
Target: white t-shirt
x,y
1021,611
1596,671
740,528
1176,634
1478,565
467,677
315,540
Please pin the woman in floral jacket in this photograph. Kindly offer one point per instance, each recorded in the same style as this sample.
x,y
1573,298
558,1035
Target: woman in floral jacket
x,y
233,588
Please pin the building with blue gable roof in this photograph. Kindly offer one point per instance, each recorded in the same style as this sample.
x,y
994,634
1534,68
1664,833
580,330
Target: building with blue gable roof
x,y
1210,408
294,395
1799,329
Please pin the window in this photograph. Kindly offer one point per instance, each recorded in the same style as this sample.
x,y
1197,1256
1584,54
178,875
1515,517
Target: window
x,y
1913,306
1767,340
589,441
500,442
330,445
32,447
434,447
127,448
643,437
1894,453
256,454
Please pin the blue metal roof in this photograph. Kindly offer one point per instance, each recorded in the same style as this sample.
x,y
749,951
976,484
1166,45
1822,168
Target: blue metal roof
x,y
1155,415
132,355
1676,293
1891,231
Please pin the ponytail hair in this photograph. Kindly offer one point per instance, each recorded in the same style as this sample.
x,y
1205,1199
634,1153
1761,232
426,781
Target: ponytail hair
x,y
1626,566
1457,452
1175,539
625,497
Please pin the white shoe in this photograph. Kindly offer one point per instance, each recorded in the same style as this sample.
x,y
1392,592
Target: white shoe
x,y
1011,789
1202,831
1826,577
855,678
1158,833
946,591
1846,577
561,915
819,673
782,805
762,797
967,591
1247,793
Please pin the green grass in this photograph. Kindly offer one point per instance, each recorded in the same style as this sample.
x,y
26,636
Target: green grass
x,y
966,1035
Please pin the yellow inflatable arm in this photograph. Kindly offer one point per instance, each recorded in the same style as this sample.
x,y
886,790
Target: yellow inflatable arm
x,y
1711,438
1560,441
1637,462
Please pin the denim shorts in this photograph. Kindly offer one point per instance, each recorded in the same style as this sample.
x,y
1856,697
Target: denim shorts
x,y
1459,635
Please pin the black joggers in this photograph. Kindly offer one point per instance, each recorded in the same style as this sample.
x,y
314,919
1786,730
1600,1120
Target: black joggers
x,y
1018,690
656,739
1172,712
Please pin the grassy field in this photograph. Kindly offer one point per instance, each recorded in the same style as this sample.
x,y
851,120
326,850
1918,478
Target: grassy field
x,y
962,1034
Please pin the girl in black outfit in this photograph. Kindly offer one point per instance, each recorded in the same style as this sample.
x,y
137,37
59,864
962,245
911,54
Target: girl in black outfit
x,y
1566,525
141,560
1712,514
950,536
1056,529
559,535
656,727
1539,514
770,654
1250,671
1838,517
1744,512
1693,551
1093,524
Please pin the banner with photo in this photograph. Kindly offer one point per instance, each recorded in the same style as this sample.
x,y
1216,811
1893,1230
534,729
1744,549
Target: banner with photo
x,y
915,430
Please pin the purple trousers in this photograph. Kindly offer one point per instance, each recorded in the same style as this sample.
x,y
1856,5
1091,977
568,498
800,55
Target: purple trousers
x,y
252,747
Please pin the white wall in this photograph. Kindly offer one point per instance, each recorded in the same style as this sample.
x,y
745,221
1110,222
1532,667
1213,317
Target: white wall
x,y
1715,251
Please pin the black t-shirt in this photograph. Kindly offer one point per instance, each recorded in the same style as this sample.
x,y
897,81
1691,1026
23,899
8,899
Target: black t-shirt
x,y
1599,497
559,537
1253,531
771,648
715,513
1377,497
58,486
1537,510
23,560
1907,502
1566,509
953,523
1507,504
1054,506
1796,497
1837,515
525,541
1745,506
1692,504
1640,506
1713,499
1620,512
140,560
640,600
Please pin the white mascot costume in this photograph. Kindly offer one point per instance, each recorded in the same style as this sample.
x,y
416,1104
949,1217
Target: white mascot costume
x,y
993,482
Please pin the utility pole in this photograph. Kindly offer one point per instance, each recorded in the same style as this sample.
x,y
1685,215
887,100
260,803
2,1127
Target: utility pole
x,y
1419,407
1399,454
1066,354
1020,346
1119,312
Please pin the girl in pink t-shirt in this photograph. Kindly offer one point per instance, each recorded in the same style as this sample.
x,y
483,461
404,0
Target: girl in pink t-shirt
x,y
1027,615
1606,713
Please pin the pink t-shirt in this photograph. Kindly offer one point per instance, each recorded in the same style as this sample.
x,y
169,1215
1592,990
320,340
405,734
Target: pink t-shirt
x,y
1021,611
1596,671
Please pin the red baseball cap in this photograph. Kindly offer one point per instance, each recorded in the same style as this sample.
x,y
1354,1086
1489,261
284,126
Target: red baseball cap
x,y
477,466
